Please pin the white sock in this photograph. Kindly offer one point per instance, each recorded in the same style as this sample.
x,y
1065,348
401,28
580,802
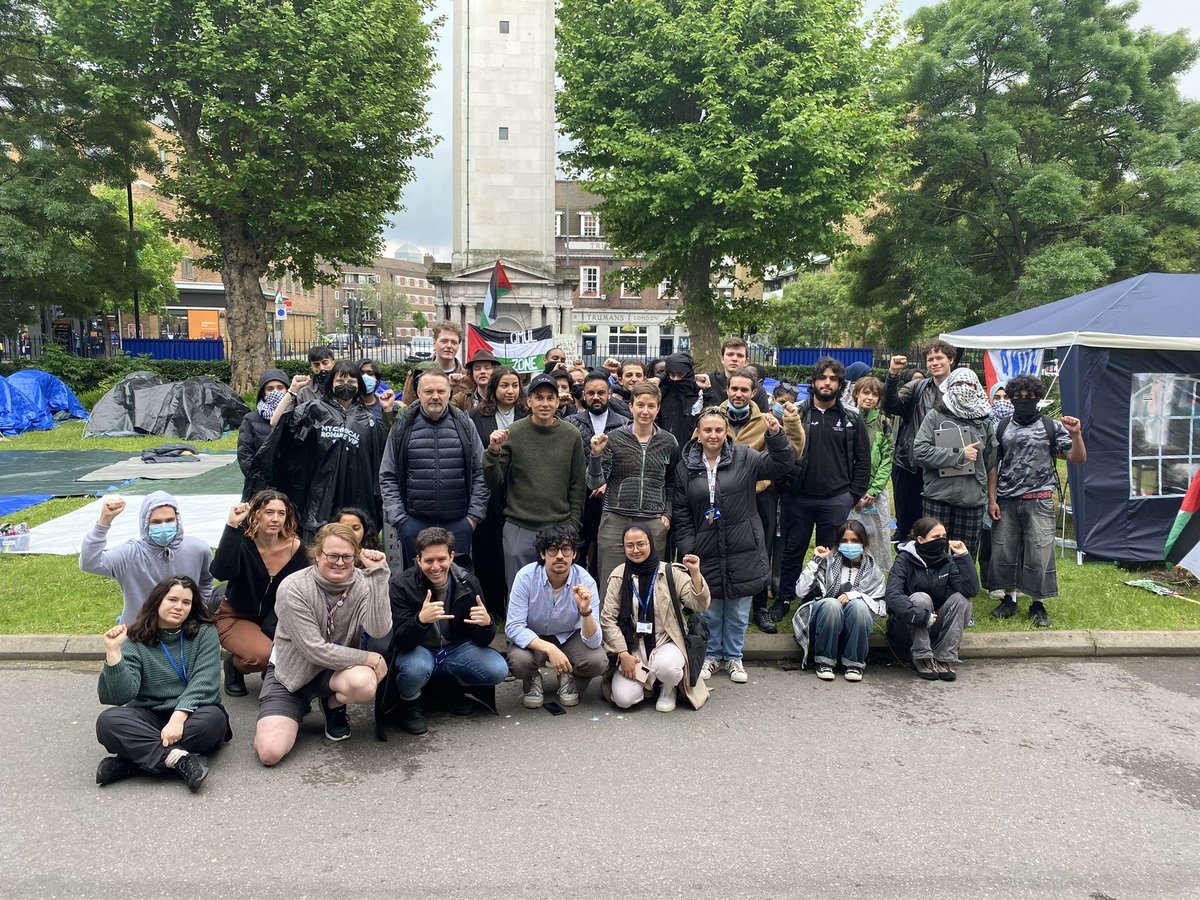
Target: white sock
x,y
173,757
1012,596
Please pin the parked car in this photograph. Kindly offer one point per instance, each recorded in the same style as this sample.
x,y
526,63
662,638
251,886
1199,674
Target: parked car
x,y
419,349
339,340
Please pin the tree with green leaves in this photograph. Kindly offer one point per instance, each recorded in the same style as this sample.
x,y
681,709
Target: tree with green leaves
x,y
154,260
724,133
61,133
390,302
1053,155
292,127
815,311
420,321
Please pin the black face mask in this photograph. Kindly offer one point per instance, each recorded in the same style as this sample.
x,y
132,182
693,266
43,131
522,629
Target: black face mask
x,y
346,391
320,378
933,550
1025,412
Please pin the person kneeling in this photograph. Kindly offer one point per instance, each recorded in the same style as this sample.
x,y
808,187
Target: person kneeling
x,y
323,611
550,619
643,629
844,593
163,673
442,626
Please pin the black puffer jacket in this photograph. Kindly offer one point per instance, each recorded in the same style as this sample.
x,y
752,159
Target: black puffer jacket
x,y
912,575
433,470
732,550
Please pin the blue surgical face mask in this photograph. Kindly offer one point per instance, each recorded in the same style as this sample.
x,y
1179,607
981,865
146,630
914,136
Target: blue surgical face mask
x,y
850,551
778,410
370,381
163,534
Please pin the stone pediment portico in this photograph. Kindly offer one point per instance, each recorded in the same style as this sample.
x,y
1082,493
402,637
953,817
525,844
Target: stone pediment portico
x,y
538,297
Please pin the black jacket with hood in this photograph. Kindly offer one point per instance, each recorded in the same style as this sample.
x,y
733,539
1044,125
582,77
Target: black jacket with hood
x,y
681,401
407,592
254,428
912,575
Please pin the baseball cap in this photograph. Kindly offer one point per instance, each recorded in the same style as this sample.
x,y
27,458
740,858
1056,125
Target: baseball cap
x,y
542,380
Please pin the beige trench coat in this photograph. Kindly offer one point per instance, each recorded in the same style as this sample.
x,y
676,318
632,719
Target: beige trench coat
x,y
664,617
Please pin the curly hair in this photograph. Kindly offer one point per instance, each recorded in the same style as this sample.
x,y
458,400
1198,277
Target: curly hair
x,y
1025,384
291,523
551,536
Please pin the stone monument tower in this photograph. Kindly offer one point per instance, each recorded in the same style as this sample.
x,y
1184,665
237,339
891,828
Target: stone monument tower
x,y
504,166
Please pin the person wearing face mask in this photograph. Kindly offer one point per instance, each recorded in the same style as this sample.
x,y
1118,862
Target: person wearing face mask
x,y
325,454
746,424
1021,500
140,564
681,398
379,398
873,509
928,597
958,500
256,425
320,362
842,589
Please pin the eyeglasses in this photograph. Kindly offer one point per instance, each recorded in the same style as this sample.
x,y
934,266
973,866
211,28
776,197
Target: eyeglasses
x,y
637,545
338,557
561,551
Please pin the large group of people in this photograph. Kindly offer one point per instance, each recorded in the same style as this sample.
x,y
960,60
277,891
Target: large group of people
x,y
620,525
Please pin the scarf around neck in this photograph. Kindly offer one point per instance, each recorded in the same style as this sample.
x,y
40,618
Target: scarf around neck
x,y
964,395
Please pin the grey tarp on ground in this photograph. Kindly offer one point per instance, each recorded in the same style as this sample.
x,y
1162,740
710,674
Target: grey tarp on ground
x,y
53,471
196,409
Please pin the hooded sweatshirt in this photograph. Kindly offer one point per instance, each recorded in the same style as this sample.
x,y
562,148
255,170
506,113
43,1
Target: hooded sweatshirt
x,y
138,565
254,428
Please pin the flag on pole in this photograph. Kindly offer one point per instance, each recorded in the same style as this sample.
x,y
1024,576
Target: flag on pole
x,y
498,287
525,351
1183,543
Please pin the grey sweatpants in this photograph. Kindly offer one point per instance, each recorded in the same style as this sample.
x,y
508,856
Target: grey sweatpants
x,y
135,733
942,640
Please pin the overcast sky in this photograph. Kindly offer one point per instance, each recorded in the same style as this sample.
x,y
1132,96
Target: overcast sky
x,y
425,223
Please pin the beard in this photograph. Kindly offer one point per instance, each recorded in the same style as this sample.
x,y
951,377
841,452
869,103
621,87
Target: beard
x,y
825,396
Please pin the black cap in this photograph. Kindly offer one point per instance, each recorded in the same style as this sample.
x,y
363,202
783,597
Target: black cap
x,y
541,380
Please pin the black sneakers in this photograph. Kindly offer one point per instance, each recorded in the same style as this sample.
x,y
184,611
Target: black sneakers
x,y
944,670
235,681
1007,607
926,669
192,770
1037,612
337,723
114,768
765,621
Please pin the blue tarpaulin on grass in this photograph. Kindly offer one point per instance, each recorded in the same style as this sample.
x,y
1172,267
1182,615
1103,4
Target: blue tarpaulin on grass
x,y
17,414
12,504
48,392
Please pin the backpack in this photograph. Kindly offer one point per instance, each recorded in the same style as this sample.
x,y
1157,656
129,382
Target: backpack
x,y
1051,436
794,480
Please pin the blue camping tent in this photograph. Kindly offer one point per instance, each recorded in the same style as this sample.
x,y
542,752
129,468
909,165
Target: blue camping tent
x,y
17,414
1129,369
49,393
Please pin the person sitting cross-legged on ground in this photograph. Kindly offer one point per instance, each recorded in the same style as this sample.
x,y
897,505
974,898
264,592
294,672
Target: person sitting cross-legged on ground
x,y
163,675
843,592
323,611
928,599
441,626
551,619
642,630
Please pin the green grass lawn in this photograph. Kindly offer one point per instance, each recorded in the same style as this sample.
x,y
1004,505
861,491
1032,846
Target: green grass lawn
x,y
69,436
49,595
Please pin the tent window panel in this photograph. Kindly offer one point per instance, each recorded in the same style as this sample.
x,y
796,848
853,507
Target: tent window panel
x,y
1164,434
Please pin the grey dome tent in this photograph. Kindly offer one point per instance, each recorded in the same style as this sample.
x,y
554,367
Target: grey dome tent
x,y
1129,369
196,409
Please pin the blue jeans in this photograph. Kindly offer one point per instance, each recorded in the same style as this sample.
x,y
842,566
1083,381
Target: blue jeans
x,y
727,621
467,662
848,626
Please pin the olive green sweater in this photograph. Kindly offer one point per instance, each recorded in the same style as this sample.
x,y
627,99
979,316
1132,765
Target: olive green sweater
x,y
544,470
144,678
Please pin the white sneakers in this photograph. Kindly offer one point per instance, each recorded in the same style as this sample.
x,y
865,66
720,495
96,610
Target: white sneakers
x,y
567,694
737,672
710,665
534,697
666,700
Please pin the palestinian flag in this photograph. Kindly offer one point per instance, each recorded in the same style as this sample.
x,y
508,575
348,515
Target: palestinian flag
x,y
525,351
498,287
1183,544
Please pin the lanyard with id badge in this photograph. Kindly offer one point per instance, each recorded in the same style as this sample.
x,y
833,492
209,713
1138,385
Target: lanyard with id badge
x,y
712,514
645,622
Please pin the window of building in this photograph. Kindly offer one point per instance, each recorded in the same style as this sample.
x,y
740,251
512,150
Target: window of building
x,y
337,313
589,281
1164,434
628,292
185,268
396,279
504,132
558,223
589,225
504,26
624,343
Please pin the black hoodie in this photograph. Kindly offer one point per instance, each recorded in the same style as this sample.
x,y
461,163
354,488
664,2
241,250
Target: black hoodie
x,y
680,398
254,428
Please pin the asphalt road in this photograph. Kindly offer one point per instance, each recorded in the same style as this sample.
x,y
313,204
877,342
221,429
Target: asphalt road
x,y
1040,778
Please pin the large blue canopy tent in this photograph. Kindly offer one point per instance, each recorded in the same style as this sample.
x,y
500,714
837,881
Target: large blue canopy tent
x,y
1129,369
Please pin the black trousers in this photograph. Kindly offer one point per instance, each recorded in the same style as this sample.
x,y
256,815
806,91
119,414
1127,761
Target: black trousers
x,y
136,734
768,504
908,489
801,516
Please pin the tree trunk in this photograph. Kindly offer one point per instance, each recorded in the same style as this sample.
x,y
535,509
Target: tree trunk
x,y
245,318
700,312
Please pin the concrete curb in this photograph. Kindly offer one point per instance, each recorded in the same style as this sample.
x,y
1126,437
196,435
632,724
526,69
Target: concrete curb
x,y
762,647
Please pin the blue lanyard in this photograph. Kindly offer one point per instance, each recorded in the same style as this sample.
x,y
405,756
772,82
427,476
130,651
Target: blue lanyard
x,y
182,674
643,605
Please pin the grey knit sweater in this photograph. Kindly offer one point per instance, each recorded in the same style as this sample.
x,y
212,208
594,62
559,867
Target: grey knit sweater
x,y
302,647
144,677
